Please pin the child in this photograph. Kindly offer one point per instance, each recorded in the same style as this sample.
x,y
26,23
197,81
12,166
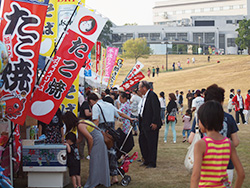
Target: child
x,y
212,153
73,159
187,124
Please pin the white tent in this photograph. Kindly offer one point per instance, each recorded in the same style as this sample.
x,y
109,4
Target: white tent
x,y
94,81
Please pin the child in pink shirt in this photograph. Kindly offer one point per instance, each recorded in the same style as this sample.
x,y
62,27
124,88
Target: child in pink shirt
x,y
186,119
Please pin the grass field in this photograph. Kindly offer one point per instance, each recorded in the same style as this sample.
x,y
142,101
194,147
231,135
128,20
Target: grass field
x,y
231,72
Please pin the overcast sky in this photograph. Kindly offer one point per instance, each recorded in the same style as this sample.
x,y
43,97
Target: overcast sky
x,y
124,11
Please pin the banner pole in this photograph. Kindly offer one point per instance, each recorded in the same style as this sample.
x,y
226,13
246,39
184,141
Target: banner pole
x,y
58,42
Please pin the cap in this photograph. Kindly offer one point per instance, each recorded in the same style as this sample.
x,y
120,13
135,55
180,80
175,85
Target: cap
x,y
238,90
121,89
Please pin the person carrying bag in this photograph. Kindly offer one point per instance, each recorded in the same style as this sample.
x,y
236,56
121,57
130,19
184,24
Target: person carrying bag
x,y
189,159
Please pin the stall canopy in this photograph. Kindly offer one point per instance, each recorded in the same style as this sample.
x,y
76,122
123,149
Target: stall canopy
x,y
93,80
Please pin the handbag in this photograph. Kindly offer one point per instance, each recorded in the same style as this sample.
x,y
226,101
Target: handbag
x,y
110,130
171,118
189,159
108,139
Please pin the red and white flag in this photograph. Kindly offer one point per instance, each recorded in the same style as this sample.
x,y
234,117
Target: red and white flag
x,y
136,69
21,30
98,56
69,59
17,143
134,80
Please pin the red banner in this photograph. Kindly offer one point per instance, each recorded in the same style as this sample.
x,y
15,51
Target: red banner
x,y
21,30
17,144
68,61
98,56
134,80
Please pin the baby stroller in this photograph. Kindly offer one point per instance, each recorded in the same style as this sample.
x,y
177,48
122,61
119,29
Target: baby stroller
x,y
124,146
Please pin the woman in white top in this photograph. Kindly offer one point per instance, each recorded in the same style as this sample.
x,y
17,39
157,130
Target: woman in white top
x,y
163,105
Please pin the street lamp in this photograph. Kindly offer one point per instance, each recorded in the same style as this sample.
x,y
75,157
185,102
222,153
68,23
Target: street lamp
x,y
166,42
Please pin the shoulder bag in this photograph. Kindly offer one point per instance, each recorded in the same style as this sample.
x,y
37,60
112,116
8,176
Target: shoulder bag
x,y
108,139
189,159
110,130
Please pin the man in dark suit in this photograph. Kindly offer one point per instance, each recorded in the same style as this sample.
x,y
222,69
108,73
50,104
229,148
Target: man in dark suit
x,y
149,124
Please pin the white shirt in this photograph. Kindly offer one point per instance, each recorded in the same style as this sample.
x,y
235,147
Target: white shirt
x,y
162,102
197,102
135,100
143,103
109,111
239,98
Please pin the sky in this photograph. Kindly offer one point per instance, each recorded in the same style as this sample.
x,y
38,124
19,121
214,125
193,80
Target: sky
x,y
121,12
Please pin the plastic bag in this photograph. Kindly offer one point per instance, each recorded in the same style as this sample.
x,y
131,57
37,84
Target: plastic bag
x,y
189,159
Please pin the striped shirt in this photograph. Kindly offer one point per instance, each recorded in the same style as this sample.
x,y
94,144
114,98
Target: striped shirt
x,y
214,163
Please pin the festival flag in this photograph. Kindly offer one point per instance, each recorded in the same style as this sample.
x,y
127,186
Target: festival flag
x,y
116,70
69,59
134,80
70,102
57,17
136,69
110,61
103,64
98,56
21,30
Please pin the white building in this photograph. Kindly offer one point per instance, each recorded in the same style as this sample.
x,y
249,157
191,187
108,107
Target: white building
x,y
208,26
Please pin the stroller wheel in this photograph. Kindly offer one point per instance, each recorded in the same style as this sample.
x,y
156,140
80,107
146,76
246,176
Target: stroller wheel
x,y
125,181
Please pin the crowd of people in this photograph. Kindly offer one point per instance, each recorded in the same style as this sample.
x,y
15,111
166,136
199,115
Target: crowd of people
x,y
146,113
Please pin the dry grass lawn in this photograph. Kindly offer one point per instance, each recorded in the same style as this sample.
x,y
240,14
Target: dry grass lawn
x,y
231,72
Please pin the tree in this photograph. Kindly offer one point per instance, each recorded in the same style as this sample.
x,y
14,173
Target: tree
x,y
105,36
243,39
136,48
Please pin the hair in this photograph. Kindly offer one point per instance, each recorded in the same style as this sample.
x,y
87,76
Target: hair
x,y
172,96
203,90
231,90
181,92
107,91
115,95
248,91
70,120
93,96
71,136
214,92
162,94
145,84
211,115
189,112
125,95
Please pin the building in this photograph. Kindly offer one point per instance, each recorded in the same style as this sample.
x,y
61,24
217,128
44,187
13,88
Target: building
x,y
208,26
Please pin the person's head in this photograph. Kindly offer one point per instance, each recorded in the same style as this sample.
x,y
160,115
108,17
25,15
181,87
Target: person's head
x,y
189,113
211,116
177,92
248,91
232,90
93,98
181,93
189,91
214,92
70,138
113,96
143,87
107,91
115,89
238,91
162,94
70,120
171,97
123,97
203,91
197,93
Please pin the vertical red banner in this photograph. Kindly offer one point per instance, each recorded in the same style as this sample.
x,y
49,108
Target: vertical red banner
x,y
98,56
69,59
21,30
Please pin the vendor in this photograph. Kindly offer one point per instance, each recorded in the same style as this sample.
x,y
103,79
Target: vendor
x,y
54,130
